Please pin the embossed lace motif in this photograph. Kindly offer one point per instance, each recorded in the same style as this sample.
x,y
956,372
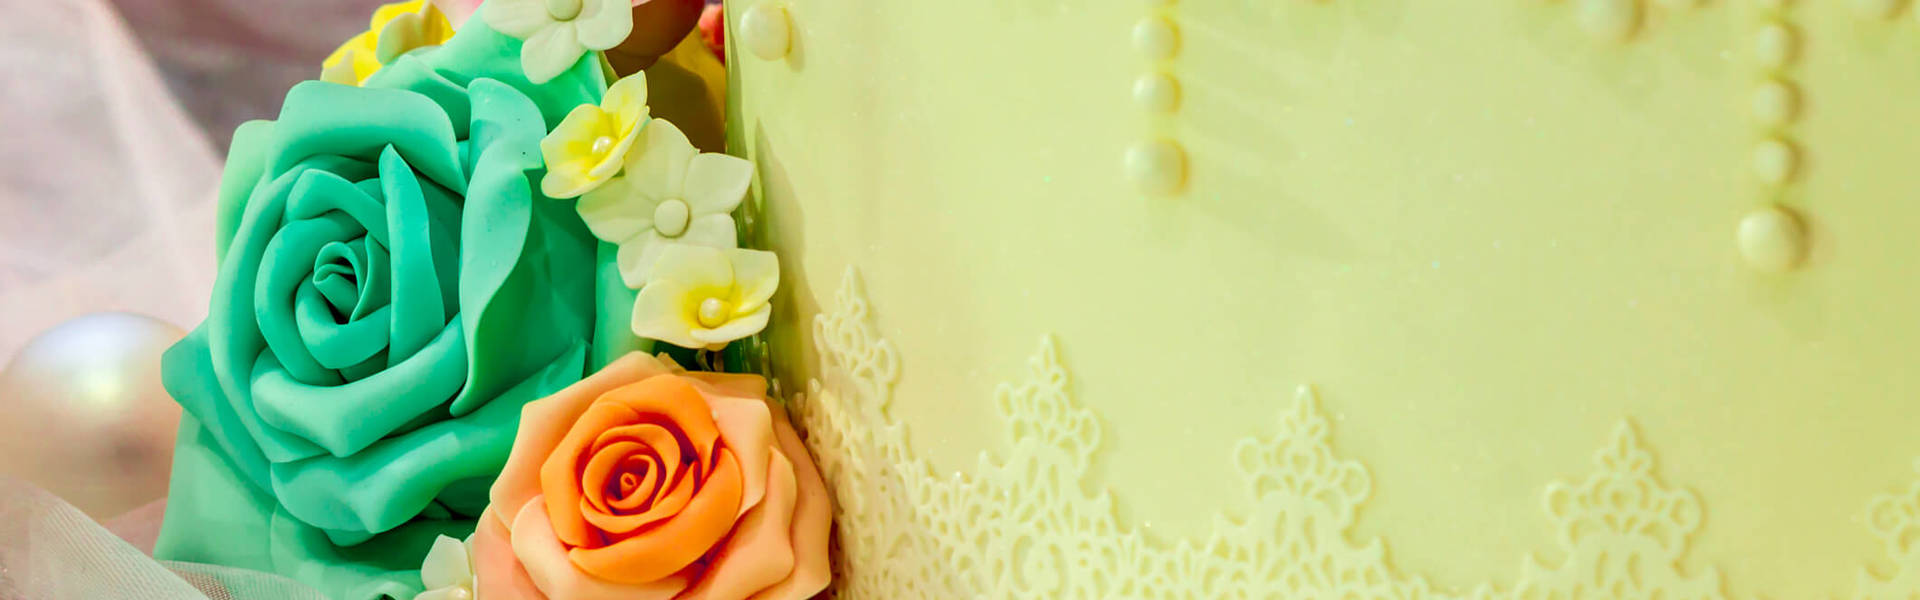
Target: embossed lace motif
x,y
1021,523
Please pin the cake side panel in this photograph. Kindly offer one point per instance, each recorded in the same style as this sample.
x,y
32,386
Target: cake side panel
x,y
1485,234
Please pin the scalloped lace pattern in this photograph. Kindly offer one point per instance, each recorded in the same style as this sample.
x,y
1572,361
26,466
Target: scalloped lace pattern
x,y
1020,525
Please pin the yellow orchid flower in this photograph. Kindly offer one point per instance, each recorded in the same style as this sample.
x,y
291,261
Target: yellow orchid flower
x,y
590,144
396,29
704,297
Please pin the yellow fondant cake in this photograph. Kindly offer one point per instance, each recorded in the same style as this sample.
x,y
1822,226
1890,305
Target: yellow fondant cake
x,y
1347,298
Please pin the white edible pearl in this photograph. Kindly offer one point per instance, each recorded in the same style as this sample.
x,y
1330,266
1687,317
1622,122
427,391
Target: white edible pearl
x,y
1773,161
1158,167
765,32
1156,38
602,145
1773,45
671,218
1156,92
1774,103
713,313
1772,239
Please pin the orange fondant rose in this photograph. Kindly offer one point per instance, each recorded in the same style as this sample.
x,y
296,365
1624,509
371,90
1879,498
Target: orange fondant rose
x,y
647,481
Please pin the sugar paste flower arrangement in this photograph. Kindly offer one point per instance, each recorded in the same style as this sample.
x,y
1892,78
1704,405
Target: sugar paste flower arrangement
x,y
428,263
645,480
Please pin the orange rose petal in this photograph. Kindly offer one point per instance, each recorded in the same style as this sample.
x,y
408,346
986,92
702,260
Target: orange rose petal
x,y
560,474
668,505
759,553
497,573
674,401
679,492
604,468
812,521
645,487
746,427
675,543
659,440
738,385
654,435
544,422
547,566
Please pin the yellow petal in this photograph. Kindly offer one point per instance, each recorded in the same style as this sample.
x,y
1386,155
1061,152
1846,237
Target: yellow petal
x,y
696,267
626,100
615,158
568,152
756,274
667,311
742,325
339,68
388,12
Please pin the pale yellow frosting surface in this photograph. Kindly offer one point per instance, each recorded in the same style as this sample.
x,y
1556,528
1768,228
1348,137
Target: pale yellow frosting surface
x,y
1486,233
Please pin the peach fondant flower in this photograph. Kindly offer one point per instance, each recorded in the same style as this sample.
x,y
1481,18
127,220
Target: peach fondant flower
x,y
647,481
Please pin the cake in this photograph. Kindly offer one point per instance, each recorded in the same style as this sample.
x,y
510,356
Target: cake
x,y
1210,299
1333,299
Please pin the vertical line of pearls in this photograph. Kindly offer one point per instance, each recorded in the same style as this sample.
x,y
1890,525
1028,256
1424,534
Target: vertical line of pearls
x,y
1772,237
1157,164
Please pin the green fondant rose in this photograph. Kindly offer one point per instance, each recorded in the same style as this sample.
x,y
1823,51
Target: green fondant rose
x,y
392,288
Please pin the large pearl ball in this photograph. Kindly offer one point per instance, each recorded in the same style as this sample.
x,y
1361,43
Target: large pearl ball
x,y
82,412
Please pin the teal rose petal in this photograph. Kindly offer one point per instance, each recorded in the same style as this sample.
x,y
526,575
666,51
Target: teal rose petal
x,y
392,289
345,419
319,191
505,223
419,311
246,160
294,249
237,524
614,338
337,271
324,119
390,482
479,52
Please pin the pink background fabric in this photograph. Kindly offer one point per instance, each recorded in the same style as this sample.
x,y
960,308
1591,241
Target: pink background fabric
x,y
113,119
114,116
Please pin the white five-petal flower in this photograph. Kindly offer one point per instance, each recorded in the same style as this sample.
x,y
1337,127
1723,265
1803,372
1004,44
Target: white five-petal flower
x,y
557,32
448,571
705,297
669,194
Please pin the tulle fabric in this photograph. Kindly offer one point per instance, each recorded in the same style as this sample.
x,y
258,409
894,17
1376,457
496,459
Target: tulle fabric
x,y
106,198
49,549
106,185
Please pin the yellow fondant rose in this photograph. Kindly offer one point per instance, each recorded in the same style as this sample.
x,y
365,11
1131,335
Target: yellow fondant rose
x,y
703,297
590,145
396,29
